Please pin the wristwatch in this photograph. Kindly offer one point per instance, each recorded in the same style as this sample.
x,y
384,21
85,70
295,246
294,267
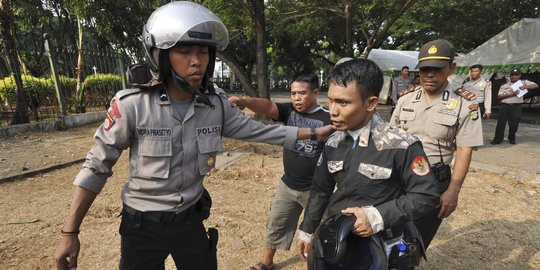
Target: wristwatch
x,y
312,134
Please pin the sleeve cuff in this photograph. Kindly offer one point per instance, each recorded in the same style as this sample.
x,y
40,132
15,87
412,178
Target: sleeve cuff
x,y
87,179
303,236
375,218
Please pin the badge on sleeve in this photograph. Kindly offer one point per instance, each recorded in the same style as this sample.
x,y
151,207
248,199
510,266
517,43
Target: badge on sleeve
x,y
112,114
420,166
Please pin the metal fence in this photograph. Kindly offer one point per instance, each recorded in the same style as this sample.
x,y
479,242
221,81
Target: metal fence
x,y
42,72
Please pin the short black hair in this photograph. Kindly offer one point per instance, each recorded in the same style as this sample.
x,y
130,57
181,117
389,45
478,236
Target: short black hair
x,y
405,67
365,73
306,77
477,66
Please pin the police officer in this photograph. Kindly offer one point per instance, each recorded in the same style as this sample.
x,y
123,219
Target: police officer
x,y
448,124
481,87
510,110
369,169
399,85
172,127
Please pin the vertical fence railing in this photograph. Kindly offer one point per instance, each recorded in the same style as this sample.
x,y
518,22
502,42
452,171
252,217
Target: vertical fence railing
x,y
49,76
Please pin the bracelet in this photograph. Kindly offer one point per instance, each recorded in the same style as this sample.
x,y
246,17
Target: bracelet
x,y
312,134
73,233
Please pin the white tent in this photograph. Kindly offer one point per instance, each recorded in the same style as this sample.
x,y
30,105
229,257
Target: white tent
x,y
516,46
390,61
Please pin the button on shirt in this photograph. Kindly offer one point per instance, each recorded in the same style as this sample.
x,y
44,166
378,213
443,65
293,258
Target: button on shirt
x,y
448,121
168,156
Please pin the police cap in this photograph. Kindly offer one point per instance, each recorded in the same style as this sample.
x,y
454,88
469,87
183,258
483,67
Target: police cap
x,y
515,71
437,53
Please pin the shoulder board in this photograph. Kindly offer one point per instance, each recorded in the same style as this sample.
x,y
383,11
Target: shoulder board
x,y
126,92
410,90
465,94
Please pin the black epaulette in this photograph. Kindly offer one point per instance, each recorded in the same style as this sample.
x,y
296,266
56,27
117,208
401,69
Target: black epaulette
x,y
410,90
465,94
126,92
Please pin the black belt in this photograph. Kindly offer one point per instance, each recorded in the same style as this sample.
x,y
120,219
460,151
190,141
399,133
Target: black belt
x,y
159,216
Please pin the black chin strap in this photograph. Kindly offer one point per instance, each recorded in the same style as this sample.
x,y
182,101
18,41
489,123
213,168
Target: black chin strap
x,y
197,92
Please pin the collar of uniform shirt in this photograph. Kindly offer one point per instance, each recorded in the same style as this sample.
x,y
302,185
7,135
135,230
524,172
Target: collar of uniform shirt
x,y
356,133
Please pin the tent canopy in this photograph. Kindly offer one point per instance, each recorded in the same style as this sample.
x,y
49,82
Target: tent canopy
x,y
393,60
515,47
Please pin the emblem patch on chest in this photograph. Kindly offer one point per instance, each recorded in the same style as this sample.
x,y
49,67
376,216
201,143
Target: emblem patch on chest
x,y
335,166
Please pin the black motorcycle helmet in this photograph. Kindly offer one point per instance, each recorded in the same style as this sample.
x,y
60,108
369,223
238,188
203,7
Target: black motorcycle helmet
x,y
335,247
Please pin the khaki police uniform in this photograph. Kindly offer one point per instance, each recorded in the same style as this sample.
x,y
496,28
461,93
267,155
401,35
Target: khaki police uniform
x,y
447,122
168,156
509,111
482,89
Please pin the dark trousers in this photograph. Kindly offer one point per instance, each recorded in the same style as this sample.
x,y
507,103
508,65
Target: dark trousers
x,y
510,113
146,244
482,109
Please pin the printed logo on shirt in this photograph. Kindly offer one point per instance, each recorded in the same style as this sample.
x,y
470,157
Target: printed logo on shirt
x,y
420,166
211,130
112,114
154,132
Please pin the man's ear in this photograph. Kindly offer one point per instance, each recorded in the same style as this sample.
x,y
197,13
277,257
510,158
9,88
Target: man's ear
x,y
371,103
316,91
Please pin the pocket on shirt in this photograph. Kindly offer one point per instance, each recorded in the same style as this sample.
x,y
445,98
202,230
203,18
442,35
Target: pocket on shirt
x,y
208,146
154,158
374,172
406,115
444,119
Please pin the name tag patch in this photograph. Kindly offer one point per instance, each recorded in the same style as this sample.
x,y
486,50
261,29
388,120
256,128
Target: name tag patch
x,y
154,132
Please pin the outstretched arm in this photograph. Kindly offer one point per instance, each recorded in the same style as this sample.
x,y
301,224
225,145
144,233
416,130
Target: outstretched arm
x,y
257,105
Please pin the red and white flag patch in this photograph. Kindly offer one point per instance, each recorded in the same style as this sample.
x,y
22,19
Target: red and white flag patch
x,y
112,114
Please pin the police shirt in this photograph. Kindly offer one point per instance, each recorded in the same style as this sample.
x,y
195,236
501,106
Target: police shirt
x,y
482,89
385,168
448,121
400,84
507,88
168,156
299,162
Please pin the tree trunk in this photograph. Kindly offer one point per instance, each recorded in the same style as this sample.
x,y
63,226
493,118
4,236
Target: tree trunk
x,y
80,62
9,35
348,28
262,56
240,73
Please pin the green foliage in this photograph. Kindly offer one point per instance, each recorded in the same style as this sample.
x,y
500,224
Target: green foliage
x,y
38,90
102,85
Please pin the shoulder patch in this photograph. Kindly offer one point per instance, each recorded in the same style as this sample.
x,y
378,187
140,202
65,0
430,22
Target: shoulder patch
x,y
335,138
387,136
465,94
410,90
126,92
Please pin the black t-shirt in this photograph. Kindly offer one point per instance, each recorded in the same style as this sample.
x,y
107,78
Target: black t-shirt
x,y
299,164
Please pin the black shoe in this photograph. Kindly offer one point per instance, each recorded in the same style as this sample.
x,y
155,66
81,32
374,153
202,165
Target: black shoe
x,y
512,141
495,142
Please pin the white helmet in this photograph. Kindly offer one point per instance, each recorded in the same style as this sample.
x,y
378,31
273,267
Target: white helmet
x,y
182,22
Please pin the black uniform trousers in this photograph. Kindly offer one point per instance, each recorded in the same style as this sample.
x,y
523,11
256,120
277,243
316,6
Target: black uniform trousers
x,y
482,108
510,113
149,237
